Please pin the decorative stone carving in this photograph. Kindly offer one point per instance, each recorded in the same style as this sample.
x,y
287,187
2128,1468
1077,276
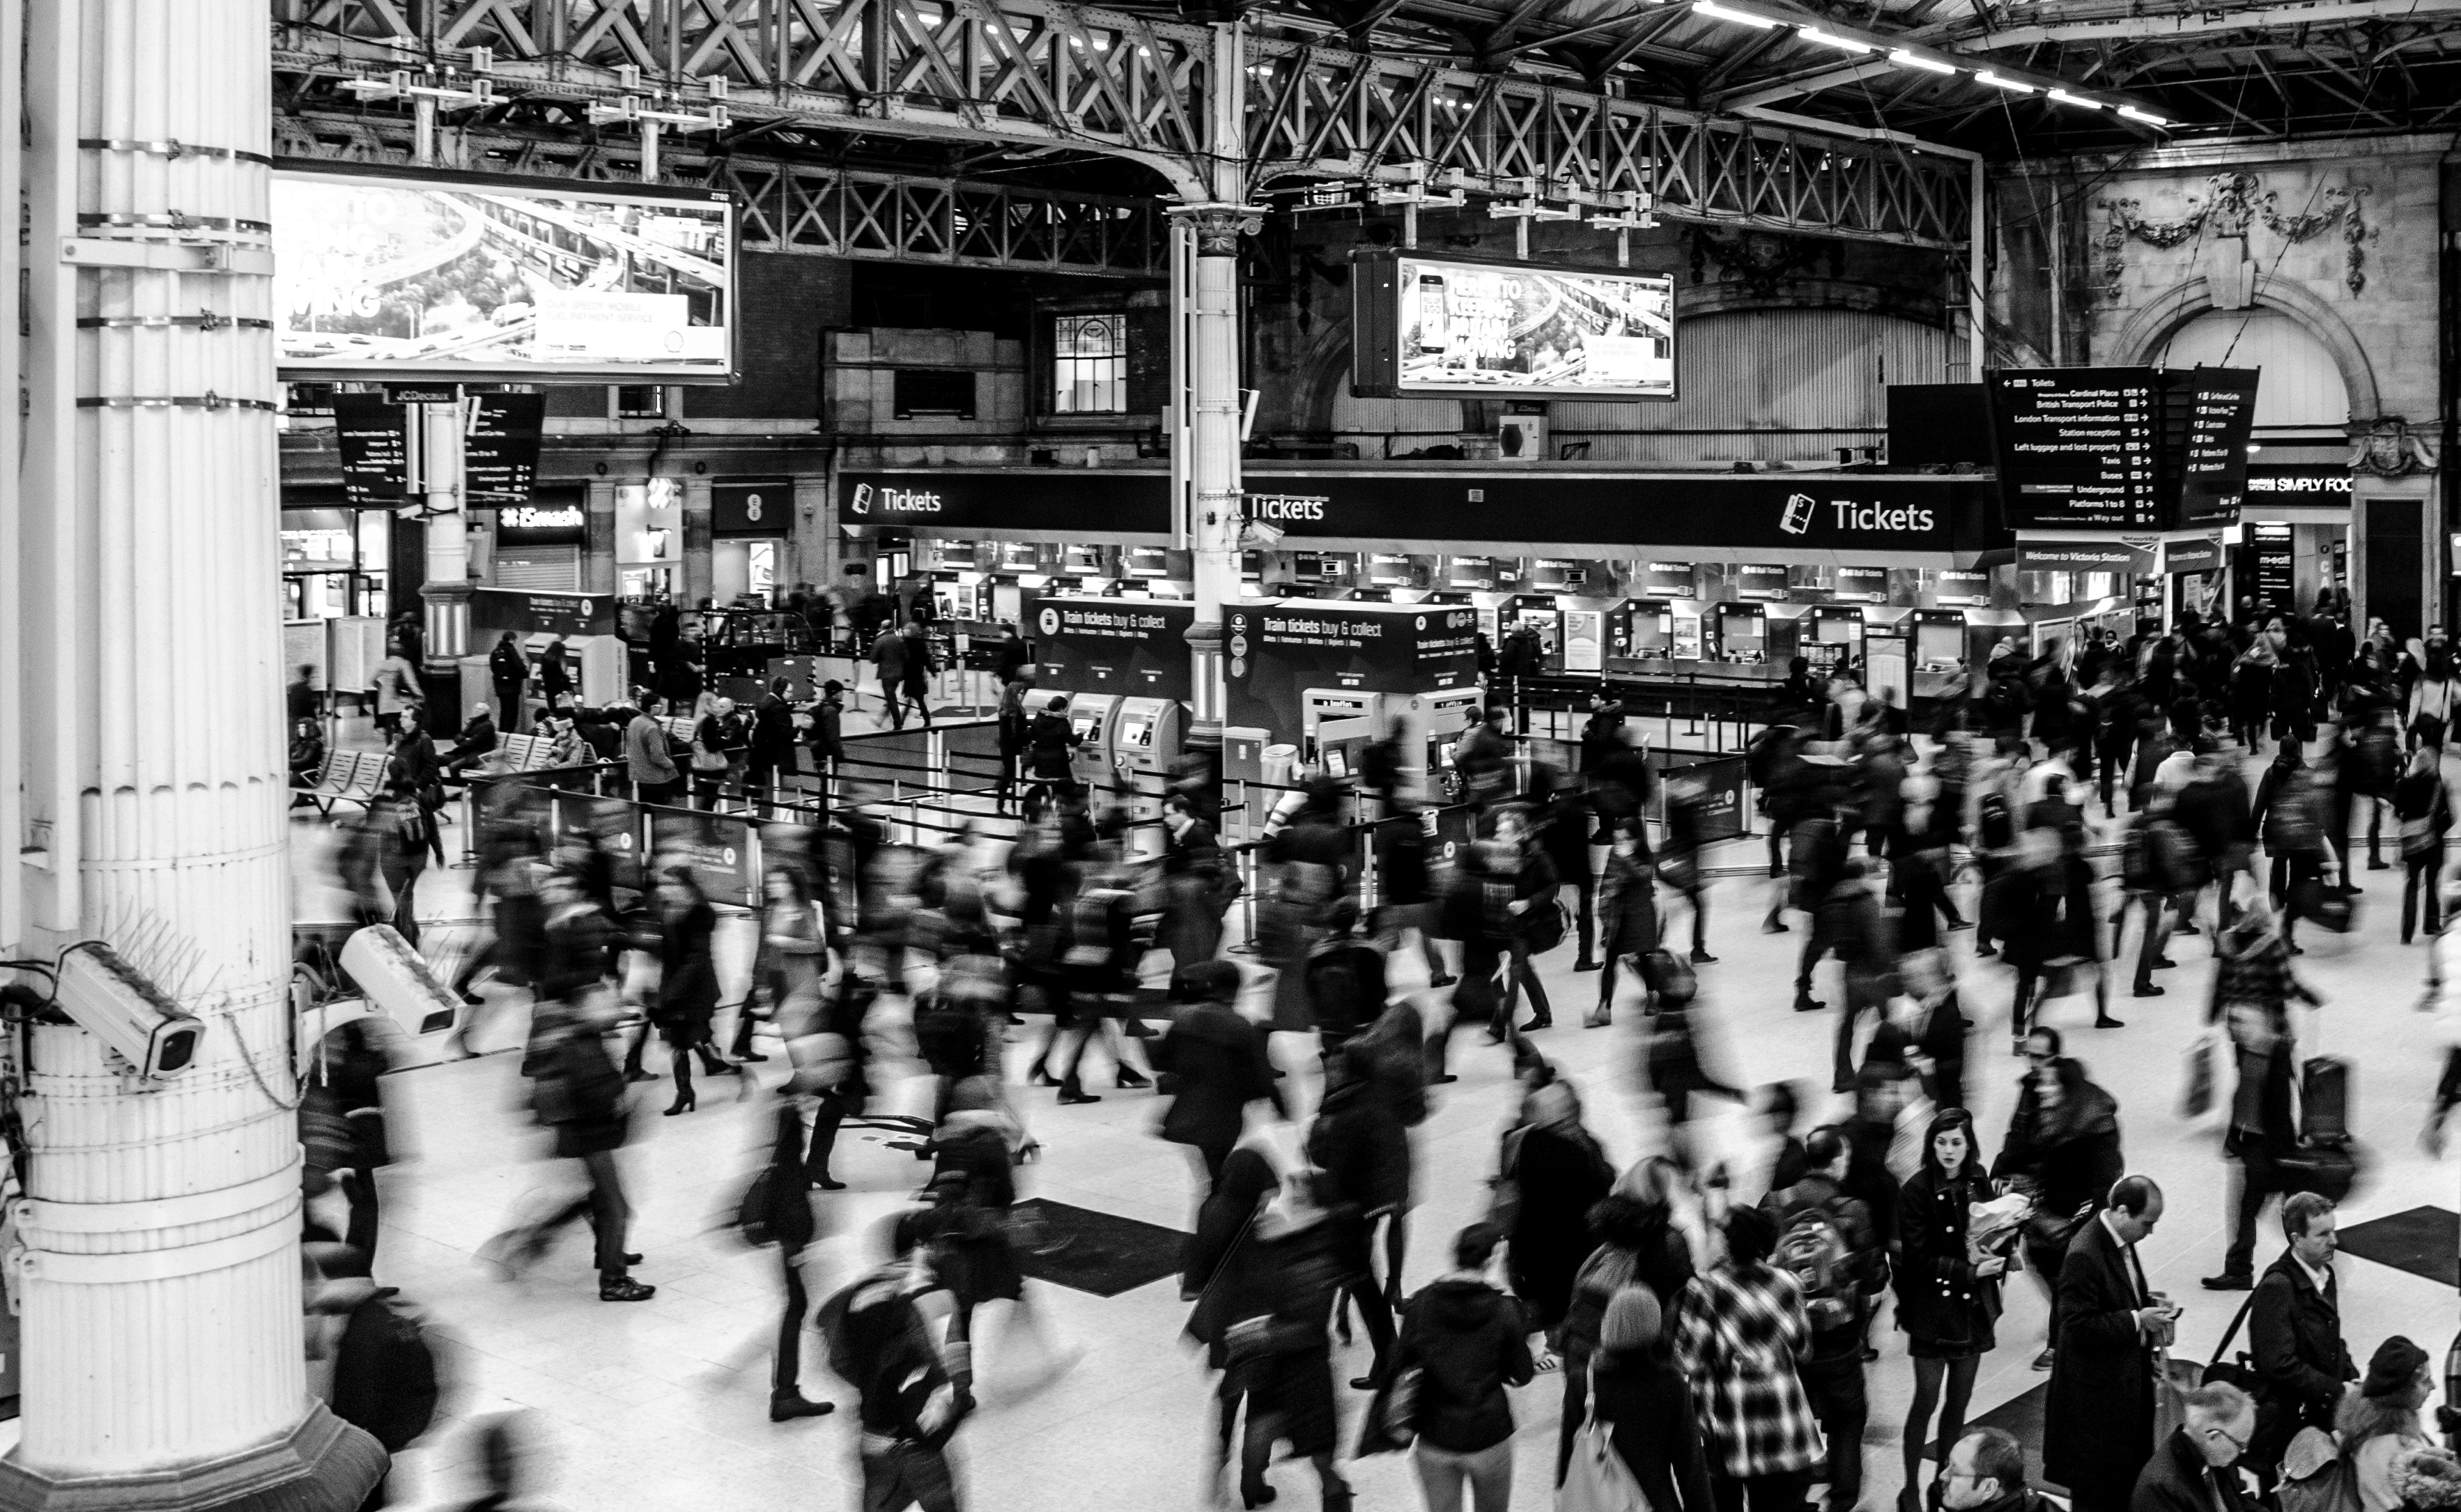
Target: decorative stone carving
x,y
1760,261
2234,204
2390,449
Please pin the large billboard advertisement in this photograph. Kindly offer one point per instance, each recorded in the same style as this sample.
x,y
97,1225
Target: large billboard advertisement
x,y
402,272
1441,326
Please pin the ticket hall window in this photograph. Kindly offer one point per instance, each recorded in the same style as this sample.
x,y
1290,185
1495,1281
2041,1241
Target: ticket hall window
x,y
1089,364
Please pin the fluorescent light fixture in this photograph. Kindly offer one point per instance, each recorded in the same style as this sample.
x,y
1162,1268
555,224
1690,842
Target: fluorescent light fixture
x,y
2079,101
1711,8
2000,81
1843,44
2145,115
1905,60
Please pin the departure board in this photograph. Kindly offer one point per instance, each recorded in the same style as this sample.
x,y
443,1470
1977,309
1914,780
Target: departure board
x,y
2209,415
2077,446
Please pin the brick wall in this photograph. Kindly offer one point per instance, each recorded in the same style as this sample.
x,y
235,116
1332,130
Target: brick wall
x,y
784,300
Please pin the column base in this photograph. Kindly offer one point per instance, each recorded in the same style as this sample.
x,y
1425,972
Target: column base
x,y
322,1465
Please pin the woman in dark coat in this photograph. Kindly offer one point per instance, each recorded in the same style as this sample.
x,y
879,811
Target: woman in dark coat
x,y
687,982
1550,1174
1637,1392
2064,1143
1638,1246
1627,916
1946,1303
1218,1058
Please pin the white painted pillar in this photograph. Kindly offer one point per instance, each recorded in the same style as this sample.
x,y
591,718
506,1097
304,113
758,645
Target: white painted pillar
x,y
159,1278
447,587
1209,325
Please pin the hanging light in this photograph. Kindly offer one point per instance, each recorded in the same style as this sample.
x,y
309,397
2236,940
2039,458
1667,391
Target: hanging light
x,y
1998,81
1929,65
2078,100
2145,115
1843,44
1711,9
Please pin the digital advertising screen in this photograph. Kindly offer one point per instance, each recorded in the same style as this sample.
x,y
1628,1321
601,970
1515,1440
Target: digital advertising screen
x,y
394,273
1435,325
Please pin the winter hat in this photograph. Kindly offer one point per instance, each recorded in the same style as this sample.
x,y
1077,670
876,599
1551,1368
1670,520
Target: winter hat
x,y
2395,1366
1633,1320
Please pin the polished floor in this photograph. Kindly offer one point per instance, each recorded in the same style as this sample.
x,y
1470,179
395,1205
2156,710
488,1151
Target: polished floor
x,y
662,1405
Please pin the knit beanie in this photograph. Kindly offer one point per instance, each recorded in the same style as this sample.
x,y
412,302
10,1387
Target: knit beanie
x,y
2395,1366
1632,1321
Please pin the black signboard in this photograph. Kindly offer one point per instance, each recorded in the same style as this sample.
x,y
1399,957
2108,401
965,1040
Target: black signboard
x,y
500,445
1761,581
1965,589
1385,571
549,523
541,612
2078,447
751,509
2212,412
2270,546
2299,483
716,847
1276,651
2129,557
1470,573
1862,586
423,394
1148,561
1135,647
375,440
1786,511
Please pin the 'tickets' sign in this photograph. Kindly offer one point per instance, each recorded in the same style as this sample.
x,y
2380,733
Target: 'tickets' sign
x,y
1133,647
1517,510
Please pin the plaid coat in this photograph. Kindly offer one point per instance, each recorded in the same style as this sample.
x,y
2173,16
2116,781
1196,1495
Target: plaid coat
x,y
1737,1335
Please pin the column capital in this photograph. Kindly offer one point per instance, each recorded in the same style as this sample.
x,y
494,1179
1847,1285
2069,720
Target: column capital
x,y
1219,228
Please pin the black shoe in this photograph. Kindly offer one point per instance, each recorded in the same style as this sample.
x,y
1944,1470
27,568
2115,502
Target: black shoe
x,y
724,1068
2106,1021
1040,1077
2147,989
1543,1021
2374,864
1130,1080
473,1000
681,1105
1806,1005
754,1055
1773,927
624,1288
1071,1096
1986,953
2230,1282
1585,964
1439,1081
1137,1028
1703,958
793,1405
1441,979
1960,924
2161,961
640,1076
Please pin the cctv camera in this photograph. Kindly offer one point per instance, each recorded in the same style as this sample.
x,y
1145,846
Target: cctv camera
x,y
1263,534
397,981
112,1001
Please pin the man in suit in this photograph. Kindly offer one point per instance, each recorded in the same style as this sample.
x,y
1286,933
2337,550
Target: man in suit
x,y
2098,1425
2192,1471
2295,1322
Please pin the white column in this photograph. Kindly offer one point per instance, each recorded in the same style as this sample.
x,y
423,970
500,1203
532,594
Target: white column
x,y
1209,328
160,1280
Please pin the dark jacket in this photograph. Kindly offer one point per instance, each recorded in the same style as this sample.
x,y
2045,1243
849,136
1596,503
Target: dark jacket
x,y
1638,1395
1945,1307
773,733
688,974
1468,1342
506,666
2073,1151
2301,1361
2177,1479
2098,1423
1219,1062
1050,741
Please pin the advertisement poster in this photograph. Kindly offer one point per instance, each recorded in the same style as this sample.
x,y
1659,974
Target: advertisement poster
x,y
403,273
718,848
1584,637
1132,647
1467,325
540,611
1277,651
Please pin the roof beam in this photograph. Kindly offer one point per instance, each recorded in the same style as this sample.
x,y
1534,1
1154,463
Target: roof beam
x,y
1964,36
1806,83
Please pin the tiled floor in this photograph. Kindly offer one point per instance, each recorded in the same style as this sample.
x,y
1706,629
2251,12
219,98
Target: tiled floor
x,y
662,1405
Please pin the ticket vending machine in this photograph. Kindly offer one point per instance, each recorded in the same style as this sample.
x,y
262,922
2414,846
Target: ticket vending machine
x,y
1146,739
1340,717
1094,717
1434,722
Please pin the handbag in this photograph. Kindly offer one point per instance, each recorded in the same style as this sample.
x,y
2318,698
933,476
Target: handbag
x,y
1596,1478
2239,1372
2196,1099
1545,927
704,760
1392,1420
2327,907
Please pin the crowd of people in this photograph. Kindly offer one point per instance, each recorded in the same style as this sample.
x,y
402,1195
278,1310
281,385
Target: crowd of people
x,y
1713,1351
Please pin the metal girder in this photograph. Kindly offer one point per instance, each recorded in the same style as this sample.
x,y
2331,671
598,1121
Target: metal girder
x,y
1806,83
1042,72
1329,113
2131,23
1021,71
816,210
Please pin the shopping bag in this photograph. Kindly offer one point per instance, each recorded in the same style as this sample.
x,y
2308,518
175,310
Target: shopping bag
x,y
2196,1099
1596,1479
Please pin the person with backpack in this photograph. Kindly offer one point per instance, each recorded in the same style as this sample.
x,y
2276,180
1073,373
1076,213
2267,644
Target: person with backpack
x,y
914,1394
1948,1298
1216,1064
2422,809
1345,980
1827,1240
369,1359
1637,1246
1465,1339
1770,762
2286,813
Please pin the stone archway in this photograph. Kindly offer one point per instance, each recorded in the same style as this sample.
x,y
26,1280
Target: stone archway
x,y
2140,340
